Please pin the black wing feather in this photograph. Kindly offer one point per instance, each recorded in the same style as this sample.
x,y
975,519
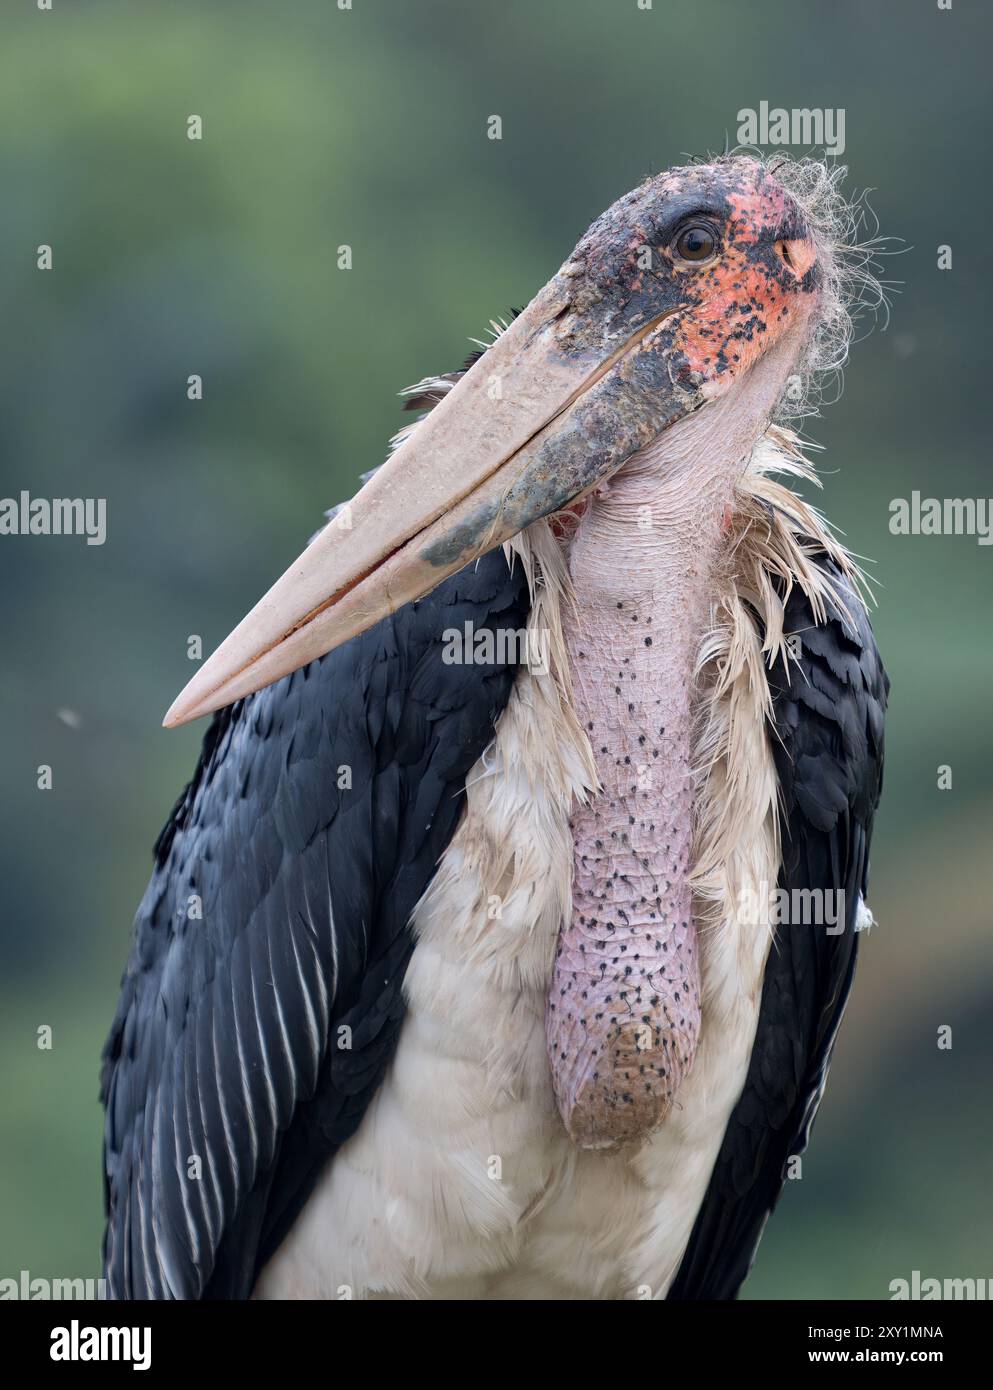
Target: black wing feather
x,y
277,914
828,749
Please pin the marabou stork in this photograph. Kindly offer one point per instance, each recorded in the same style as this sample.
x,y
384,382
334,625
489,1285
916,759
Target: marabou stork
x,y
487,994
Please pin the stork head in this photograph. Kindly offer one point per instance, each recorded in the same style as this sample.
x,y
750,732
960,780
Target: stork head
x,y
670,301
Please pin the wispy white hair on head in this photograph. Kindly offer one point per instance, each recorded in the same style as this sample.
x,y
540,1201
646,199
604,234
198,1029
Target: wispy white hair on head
x,y
847,260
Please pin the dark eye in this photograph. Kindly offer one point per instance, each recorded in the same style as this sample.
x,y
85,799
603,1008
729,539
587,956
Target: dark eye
x,y
696,243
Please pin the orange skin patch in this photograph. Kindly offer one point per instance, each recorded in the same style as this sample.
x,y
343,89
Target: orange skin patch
x,y
747,297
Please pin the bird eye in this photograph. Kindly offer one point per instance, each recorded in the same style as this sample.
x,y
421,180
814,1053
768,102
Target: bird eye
x,y
696,243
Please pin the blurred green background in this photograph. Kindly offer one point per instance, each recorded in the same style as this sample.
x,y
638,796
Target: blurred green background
x,y
368,127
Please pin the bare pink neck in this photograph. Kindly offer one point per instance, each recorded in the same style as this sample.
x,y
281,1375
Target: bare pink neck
x,y
624,1010
623,1014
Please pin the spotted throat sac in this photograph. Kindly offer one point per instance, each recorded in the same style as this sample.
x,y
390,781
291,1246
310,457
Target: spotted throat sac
x,y
623,1014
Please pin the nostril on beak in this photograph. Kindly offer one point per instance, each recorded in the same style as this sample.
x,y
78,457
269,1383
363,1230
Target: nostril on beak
x,y
798,255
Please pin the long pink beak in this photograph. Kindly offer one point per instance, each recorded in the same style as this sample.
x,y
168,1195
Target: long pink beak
x,y
520,436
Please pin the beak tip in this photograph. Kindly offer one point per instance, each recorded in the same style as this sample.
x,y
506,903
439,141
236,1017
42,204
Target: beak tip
x,y
180,712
